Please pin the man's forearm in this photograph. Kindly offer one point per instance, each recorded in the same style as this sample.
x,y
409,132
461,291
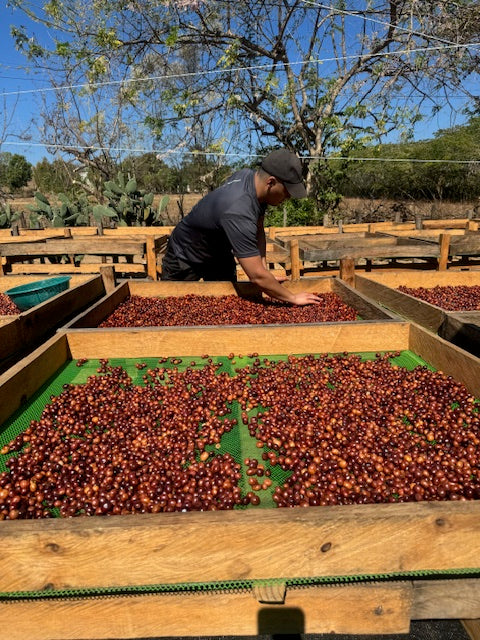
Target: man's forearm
x,y
266,281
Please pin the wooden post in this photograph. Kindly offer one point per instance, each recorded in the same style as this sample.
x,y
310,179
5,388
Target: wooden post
x,y
398,217
295,259
108,277
67,233
15,231
418,221
100,228
444,250
151,258
472,225
340,226
347,270
272,232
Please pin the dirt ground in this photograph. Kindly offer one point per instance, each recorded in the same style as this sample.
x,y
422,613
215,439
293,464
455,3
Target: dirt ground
x,y
351,210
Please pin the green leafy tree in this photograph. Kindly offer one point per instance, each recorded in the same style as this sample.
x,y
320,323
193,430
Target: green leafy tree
x,y
15,171
318,78
445,167
53,177
18,173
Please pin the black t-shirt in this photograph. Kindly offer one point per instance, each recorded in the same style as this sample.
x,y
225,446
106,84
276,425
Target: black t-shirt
x,y
224,221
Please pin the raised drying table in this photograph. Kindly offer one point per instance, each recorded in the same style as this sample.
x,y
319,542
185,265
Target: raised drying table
x,y
460,327
387,563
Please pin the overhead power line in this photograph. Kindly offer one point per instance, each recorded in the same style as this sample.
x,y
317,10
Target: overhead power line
x,y
171,152
357,14
384,54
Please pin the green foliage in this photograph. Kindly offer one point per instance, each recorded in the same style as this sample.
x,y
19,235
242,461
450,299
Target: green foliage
x,y
129,205
294,213
8,217
53,177
70,212
15,171
390,174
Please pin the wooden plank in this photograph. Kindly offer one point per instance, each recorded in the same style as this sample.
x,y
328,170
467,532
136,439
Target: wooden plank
x,y
10,337
367,308
166,288
423,234
39,320
463,329
175,341
11,281
90,246
447,357
429,278
370,250
379,609
467,245
407,306
120,267
457,598
446,223
97,312
140,231
171,548
472,627
19,382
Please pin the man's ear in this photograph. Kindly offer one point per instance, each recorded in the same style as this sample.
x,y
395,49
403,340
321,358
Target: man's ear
x,y
271,181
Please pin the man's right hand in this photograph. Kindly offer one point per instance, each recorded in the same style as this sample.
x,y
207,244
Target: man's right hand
x,y
304,298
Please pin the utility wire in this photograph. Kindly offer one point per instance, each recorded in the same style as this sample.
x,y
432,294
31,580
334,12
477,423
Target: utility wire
x,y
384,54
168,152
356,14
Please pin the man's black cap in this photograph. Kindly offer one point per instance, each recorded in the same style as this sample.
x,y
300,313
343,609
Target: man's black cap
x,y
287,167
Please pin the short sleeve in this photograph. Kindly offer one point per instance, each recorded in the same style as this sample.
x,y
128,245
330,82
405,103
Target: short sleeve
x,y
241,231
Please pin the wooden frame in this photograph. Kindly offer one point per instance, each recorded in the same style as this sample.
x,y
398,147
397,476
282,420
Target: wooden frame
x,y
461,327
20,333
172,548
126,245
92,317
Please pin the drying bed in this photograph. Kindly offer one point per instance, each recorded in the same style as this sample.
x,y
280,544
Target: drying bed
x,y
255,568
193,309
180,434
450,298
139,304
21,332
432,299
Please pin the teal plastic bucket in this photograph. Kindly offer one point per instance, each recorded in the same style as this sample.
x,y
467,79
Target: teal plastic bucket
x,y
29,295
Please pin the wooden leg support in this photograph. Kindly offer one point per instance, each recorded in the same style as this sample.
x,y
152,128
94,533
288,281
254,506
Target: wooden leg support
x,y
295,259
347,270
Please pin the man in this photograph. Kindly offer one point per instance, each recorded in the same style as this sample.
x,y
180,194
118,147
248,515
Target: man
x,y
228,223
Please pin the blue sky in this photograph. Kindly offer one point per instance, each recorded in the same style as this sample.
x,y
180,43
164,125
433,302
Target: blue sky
x,y
14,80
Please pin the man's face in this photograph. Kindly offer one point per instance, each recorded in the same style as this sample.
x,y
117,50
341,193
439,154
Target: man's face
x,y
277,192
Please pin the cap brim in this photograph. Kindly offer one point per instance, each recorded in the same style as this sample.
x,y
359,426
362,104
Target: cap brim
x,y
296,190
